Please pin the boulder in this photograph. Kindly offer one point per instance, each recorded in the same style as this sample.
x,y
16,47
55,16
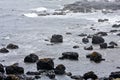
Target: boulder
x,y
12,46
70,55
60,69
88,48
97,40
13,69
3,50
95,56
90,75
115,74
85,40
32,58
45,64
103,45
2,68
56,38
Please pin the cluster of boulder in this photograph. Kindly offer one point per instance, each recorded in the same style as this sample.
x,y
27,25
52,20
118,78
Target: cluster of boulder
x,y
9,46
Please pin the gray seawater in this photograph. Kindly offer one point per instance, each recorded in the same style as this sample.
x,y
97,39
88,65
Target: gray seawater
x,y
30,34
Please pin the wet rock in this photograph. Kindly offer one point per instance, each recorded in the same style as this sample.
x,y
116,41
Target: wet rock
x,y
33,73
51,75
118,34
75,47
97,40
56,38
90,75
37,77
112,43
2,68
12,46
13,69
110,46
70,55
77,77
95,56
101,34
32,58
3,50
103,20
60,69
82,35
85,40
103,45
59,13
12,77
115,74
89,36
88,48
116,25
45,64
113,30
69,74
2,76
104,78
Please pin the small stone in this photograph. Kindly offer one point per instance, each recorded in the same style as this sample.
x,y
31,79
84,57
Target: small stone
x,y
82,35
97,40
103,45
12,46
56,38
75,47
88,48
112,43
60,69
85,40
78,77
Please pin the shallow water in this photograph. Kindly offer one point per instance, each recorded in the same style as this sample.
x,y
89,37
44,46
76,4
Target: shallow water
x,y
30,34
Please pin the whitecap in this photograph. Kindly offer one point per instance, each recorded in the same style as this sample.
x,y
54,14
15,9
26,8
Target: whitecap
x,y
40,9
31,15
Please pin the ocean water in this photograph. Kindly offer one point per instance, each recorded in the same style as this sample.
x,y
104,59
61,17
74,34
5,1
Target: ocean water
x,y
20,24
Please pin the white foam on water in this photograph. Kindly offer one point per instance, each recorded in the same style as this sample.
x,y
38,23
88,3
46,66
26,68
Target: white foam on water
x,y
31,15
40,9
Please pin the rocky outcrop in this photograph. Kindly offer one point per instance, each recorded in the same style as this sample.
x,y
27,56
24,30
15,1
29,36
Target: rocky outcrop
x,y
70,55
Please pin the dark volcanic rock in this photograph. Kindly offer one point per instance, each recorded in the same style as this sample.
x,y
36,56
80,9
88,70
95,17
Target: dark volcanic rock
x,y
112,43
115,74
56,38
32,58
85,40
60,69
103,45
75,47
110,46
33,73
116,25
82,35
2,68
77,77
88,48
13,69
3,50
95,56
12,46
70,55
90,75
45,63
101,34
97,40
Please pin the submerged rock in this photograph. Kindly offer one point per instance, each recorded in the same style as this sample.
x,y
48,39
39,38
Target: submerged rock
x,y
88,48
56,38
75,47
45,64
12,46
70,55
82,35
97,40
3,50
77,77
60,69
112,43
103,20
90,75
95,56
85,40
101,34
2,68
32,58
13,69
116,25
